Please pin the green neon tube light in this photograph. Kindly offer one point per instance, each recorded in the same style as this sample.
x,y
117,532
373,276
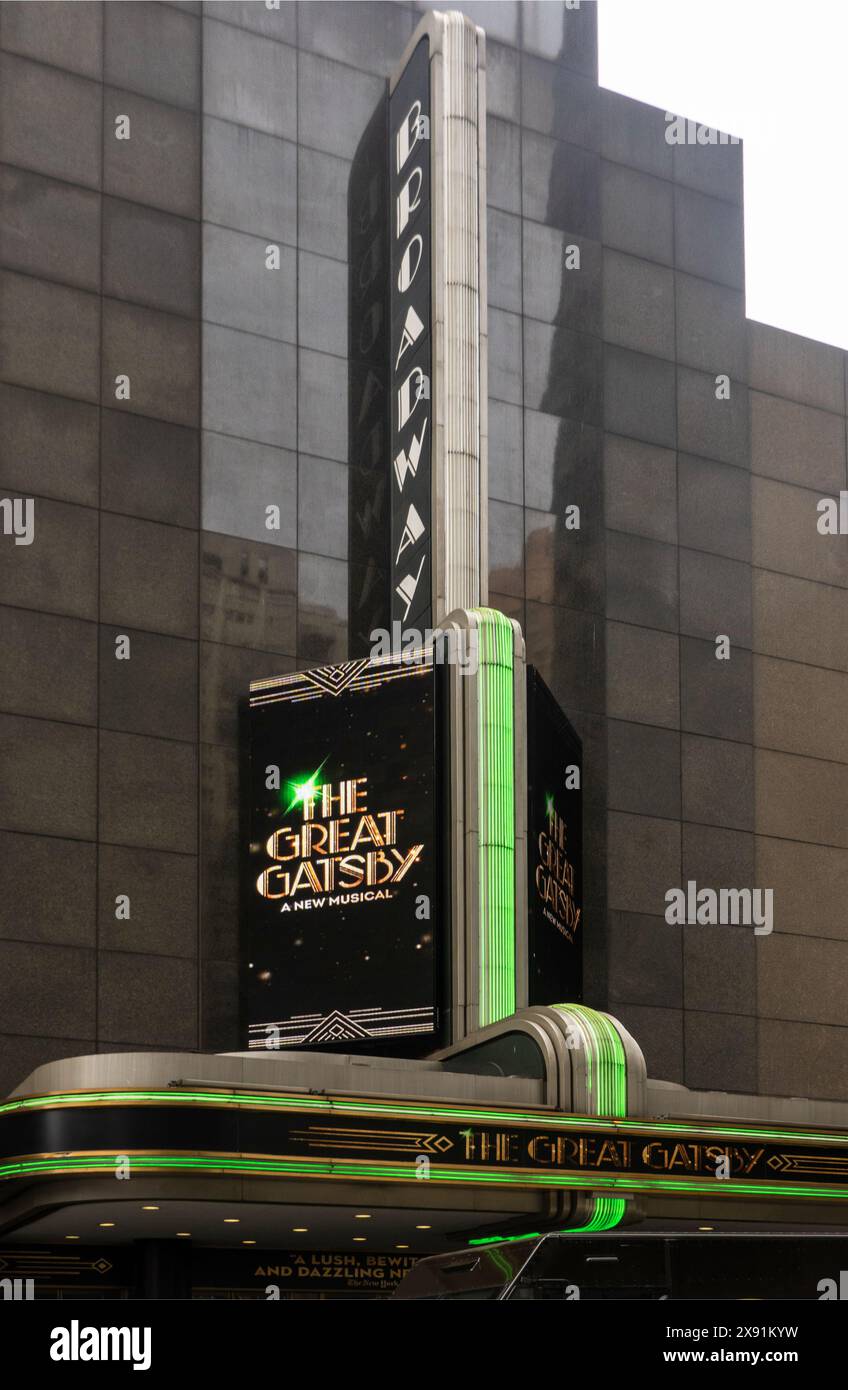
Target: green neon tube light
x,y
418,1110
608,1212
381,1172
496,795
606,1060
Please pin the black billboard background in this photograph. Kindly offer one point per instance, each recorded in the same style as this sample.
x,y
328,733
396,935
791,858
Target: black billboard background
x,y
369,519
555,974
344,959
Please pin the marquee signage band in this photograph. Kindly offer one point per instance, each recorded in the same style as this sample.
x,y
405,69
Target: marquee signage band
x,y
362,1138
342,884
310,1269
113,1266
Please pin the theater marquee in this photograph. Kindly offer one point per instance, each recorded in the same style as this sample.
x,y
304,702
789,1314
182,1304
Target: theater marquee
x,y
342,898
384,1140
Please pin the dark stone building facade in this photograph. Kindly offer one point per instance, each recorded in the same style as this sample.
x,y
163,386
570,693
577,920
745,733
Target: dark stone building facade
x,y
146,258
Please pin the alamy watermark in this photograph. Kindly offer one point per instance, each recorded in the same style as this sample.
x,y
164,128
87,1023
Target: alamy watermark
x,y
829,1290
833,515
680,131
78,1342
450,646
17,518
17,1290
721,907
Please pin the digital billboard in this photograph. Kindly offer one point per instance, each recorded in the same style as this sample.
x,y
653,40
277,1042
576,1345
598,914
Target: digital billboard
x,y
342,897
554,850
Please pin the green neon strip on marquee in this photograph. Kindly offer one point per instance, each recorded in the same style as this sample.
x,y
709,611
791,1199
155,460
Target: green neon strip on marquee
x,y
607,1214
417,1110
606,1060
318,1168
496,793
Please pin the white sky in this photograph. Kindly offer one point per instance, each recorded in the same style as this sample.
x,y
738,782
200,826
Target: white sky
x,y
775,73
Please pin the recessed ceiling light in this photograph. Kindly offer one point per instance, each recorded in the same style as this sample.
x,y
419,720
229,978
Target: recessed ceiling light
x,y
106,1223
362,1216
423,1228
401,1247
71,1237
183,1233
300,1230
359,1239
706,1228
248,1242
231,1220
150,1209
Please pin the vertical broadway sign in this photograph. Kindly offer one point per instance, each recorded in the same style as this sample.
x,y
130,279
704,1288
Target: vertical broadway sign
x,y
410,363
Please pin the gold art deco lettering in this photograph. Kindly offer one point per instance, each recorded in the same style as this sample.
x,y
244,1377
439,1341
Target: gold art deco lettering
x,y
699,1158
338,847
562,1151
603,1153
555,875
